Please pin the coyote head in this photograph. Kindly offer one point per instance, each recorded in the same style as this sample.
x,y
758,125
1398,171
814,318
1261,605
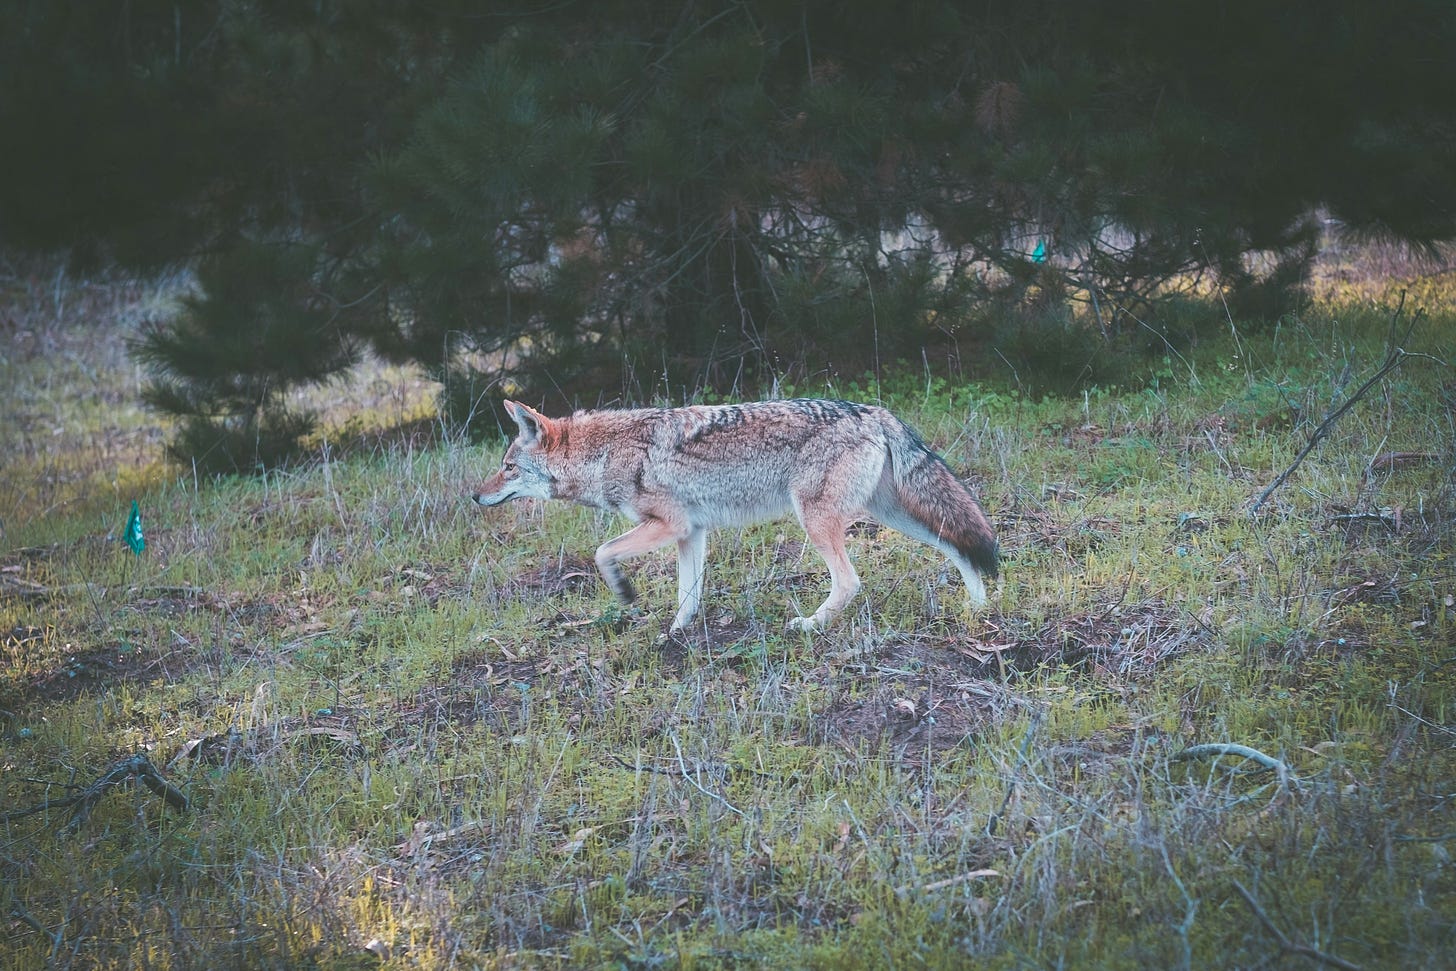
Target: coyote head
x,y
523,473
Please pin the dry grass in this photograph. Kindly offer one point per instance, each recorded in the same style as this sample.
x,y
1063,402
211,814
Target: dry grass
x,y
416,735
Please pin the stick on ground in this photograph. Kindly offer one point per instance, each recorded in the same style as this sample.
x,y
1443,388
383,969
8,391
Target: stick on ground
x,y
83,802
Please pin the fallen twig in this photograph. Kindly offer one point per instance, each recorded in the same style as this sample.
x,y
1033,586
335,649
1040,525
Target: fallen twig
x,y
1441,838
23,589
1285,944
948,882
24,916
690,780
1217,749
85,800
1390,521
1213,749
1386,461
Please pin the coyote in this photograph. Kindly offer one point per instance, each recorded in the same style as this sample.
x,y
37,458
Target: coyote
x,y
679,472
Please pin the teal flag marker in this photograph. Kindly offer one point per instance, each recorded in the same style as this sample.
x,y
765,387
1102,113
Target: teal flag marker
x,y
1038,255
133,535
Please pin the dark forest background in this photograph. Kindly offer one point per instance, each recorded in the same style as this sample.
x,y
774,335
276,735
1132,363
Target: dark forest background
x,y
626,196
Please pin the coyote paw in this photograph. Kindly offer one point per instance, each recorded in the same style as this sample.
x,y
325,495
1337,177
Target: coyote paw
x,y
806,624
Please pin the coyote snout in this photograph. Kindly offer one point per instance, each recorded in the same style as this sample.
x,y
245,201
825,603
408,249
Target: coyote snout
x,y
679,472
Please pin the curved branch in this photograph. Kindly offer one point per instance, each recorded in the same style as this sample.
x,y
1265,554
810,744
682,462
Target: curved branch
x,y
1214,749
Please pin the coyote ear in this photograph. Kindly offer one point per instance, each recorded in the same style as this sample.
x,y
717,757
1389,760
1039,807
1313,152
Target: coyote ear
x,y
532,423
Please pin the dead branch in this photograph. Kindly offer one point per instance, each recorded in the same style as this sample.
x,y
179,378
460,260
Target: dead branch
x,y
23,589
690,778
1285,944
948,882
1394,356
84,801
1389,521
1216,749
1387,461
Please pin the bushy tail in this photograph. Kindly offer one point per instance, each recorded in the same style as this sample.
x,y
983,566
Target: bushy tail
x,y
928,503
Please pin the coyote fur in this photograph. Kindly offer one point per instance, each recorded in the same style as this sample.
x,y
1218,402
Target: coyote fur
x,y
679,472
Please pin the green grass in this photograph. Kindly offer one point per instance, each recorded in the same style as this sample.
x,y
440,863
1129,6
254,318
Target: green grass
x,y
417,734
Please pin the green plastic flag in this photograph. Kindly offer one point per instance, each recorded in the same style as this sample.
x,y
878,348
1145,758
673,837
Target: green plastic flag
x,y
1038,255
133,535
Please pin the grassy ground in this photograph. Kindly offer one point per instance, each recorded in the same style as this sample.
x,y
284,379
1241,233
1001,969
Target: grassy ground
x,y
414,734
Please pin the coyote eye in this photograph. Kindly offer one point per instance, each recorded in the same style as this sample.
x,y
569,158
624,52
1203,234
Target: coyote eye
x,y
508,466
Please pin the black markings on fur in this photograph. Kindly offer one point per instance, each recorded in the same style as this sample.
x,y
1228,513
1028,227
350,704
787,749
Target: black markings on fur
x,y
722,419
828,410
821,411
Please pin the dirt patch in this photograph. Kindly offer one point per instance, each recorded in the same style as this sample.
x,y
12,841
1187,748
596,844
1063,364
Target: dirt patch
x,y
491,690
498,689
1100,754
1124,642
1035,525
87,670
925,694
916,721
724,639
48,666
920,695
566,573
421,583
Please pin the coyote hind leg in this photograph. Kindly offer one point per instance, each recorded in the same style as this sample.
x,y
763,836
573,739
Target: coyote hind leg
x,y
826,534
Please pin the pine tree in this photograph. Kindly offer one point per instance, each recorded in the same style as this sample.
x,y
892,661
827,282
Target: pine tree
x,y
229,360
605,197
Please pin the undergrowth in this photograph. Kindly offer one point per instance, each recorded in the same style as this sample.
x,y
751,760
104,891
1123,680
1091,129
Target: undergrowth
x,y
417,734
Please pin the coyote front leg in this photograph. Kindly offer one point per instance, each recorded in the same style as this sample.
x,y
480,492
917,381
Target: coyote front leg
x,y
691,553
644,537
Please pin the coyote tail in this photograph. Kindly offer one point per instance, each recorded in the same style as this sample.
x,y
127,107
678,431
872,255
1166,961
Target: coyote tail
x,y
928,492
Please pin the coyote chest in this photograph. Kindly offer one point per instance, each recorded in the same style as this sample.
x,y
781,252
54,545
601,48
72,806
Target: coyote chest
x,y
679,472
